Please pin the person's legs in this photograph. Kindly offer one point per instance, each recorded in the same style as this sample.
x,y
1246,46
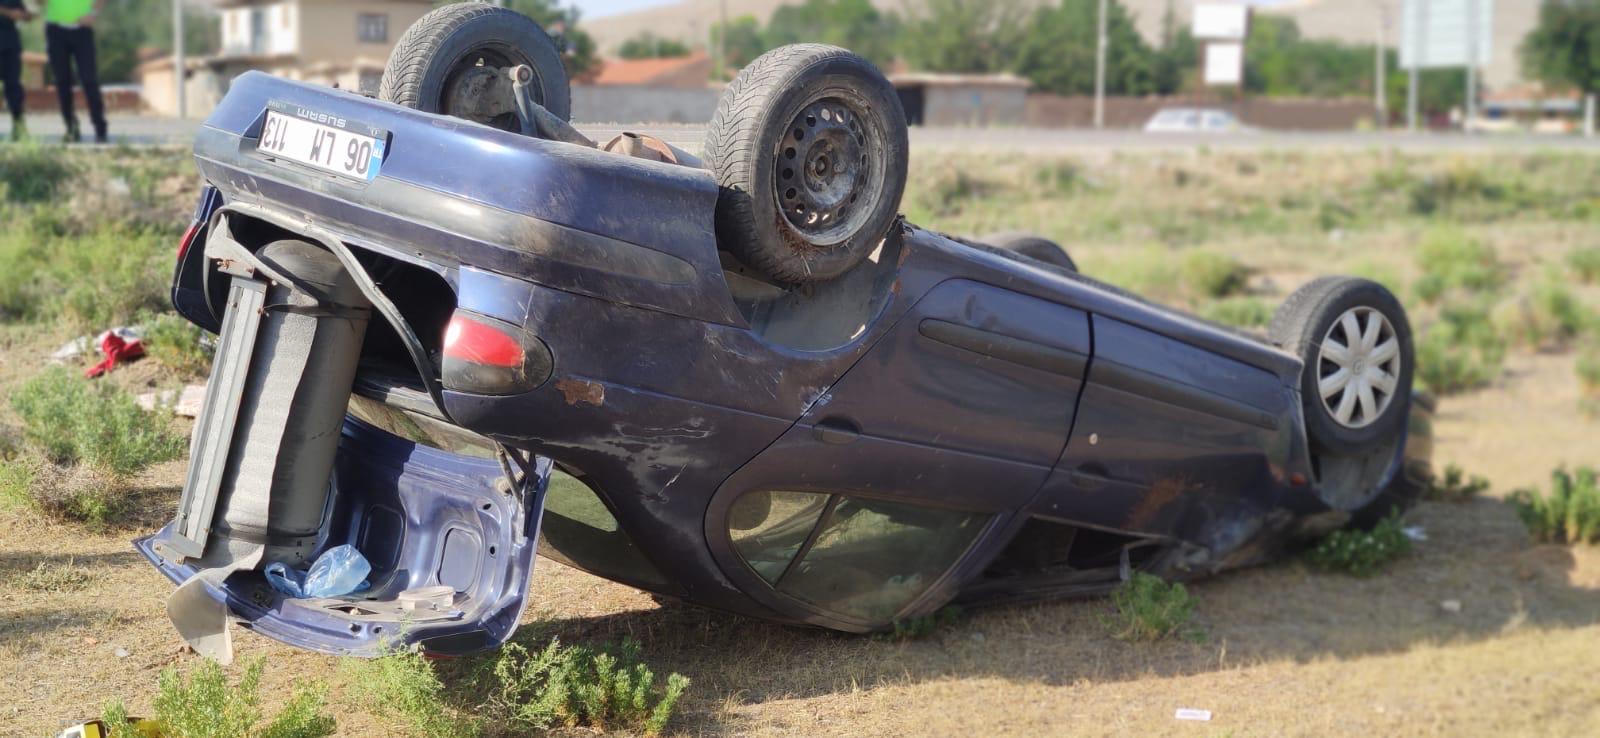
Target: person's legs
x,y
84,54
11,78
58,47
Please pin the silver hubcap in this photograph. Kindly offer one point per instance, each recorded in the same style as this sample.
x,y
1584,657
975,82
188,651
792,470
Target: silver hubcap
x,y
1358,367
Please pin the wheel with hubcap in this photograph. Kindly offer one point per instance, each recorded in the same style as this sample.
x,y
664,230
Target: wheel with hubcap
x,y
809,146
456,60
1355,340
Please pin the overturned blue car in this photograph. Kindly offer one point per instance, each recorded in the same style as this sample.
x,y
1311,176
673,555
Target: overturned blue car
x,y
454,332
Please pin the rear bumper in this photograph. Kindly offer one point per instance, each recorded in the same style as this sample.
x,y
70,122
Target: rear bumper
x,y
421,517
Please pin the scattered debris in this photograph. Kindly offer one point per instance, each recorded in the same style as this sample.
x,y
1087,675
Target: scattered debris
x,y
1415,533
1190,713
116,345
121,653
186,402
337,572
1450,606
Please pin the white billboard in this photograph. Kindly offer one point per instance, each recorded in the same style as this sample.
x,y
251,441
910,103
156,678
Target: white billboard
x,y
1224,63
1221,21
1446,33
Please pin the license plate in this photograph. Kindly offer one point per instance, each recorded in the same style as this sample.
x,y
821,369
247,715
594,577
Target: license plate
x,y
344,152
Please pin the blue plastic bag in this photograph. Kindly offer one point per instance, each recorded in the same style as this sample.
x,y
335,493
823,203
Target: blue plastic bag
x,y
339,571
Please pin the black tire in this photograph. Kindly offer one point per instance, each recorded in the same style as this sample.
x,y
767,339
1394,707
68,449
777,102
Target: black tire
x,y
434,61
1032,246
814,219
1305,325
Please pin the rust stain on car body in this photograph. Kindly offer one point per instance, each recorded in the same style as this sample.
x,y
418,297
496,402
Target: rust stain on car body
x,y
582,392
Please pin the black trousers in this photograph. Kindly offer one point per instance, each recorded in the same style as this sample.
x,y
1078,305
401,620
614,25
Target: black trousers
x,y
75,46
11,77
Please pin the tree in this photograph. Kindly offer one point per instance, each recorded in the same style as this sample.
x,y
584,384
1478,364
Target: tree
x,y
1057,51
852,24
969,36
578,52
1563,49
647,45
744,42
1178,59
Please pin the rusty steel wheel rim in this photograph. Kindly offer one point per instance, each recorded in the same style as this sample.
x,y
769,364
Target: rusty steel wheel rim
x,y
824,171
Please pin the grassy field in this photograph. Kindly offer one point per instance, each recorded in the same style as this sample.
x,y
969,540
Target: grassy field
x,y
1478,630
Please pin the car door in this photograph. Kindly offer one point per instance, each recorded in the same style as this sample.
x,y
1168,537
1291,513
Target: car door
x,y
951,420
1168,436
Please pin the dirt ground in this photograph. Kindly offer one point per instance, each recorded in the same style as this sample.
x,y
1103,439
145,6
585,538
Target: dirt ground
x,y
1287,650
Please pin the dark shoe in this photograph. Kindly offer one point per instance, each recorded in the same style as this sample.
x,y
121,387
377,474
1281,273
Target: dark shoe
x,y
74,135
100,137
19,129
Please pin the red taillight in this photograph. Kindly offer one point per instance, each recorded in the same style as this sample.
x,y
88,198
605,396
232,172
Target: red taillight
x,y
188,239
469,340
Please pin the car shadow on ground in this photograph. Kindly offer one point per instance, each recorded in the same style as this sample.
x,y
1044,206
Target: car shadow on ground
x,y
1477,556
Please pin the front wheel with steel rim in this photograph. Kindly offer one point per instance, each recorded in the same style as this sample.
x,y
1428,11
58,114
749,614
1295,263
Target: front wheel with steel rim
x,y
1355,340
809,147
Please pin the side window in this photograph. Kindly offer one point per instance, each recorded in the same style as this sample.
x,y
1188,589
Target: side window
x,y
372,28
859,558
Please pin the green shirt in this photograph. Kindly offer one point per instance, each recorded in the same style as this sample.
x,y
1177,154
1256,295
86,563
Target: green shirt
x,y
67,12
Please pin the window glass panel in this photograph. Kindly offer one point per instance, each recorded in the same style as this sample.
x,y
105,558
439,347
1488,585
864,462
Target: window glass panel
x,y
768,528
873,558
579,529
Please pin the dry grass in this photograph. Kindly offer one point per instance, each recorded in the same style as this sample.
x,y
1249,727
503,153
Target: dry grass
x,y
1289,651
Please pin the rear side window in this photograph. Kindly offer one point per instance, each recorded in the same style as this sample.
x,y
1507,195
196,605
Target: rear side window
x,y
579,529
860,558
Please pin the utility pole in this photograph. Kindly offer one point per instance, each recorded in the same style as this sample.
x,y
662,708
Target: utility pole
x,y
1472,66
180,68
1380,76
1100,71
722,41
1419,38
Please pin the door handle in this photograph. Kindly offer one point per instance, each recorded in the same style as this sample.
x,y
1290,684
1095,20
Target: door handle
x,y
836,431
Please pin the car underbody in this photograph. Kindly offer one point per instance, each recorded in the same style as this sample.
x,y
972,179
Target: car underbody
x,y
546,343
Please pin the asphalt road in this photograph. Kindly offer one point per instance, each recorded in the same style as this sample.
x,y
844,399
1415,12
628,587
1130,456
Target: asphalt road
x,y
139,130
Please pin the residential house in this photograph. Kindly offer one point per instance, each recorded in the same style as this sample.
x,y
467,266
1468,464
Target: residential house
x,y
343,43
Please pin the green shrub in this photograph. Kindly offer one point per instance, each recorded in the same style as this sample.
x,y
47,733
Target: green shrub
x,y
55,578
1585,263
1461,351
204,706
926,625
16,479
1454,485
949,190
32,173
1213,275
405,686
1150,272
1361,552
177,343
1149,609
1569,514
1453,262
1240,312
1460,187
73,420
522,693
94,279
1549,315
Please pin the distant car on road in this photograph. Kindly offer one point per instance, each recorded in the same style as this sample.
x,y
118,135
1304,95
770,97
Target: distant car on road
x,y
1194,120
